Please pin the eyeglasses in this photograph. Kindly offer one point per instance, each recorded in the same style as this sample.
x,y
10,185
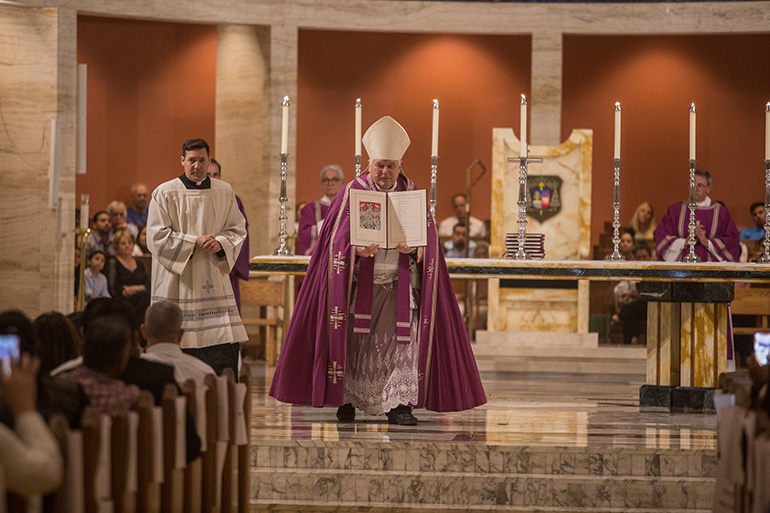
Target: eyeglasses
x,y
329,181
701,186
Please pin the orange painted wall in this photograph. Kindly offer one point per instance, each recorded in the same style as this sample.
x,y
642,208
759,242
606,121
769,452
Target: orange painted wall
x,y
656,78
150,87
477,80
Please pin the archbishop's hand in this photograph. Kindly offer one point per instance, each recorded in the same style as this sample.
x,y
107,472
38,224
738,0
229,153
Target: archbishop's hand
x,y
368,251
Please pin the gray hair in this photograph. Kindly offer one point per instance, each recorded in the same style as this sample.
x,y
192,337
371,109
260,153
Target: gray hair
x,y
163,320
335,167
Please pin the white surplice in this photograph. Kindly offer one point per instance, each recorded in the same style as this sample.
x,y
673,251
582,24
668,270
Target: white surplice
x,y
197,280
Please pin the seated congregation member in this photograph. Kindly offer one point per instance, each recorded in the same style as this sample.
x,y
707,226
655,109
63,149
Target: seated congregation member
x,y
54,395
136,214
29,453
58,340
385,333
758,215
127,276
163,331
96,281
477,226
643,222
626,245
145,374
105,356
140,247
459,246
628,307
100,239
119,219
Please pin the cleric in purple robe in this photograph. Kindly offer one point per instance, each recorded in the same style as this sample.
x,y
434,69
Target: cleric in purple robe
x,y
312,215
716,236
375,329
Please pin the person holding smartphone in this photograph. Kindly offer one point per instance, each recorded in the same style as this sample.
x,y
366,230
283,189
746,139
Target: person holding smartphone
x,y
29,453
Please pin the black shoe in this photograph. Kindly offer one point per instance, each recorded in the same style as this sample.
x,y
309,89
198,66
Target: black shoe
x,y
402,415
346,413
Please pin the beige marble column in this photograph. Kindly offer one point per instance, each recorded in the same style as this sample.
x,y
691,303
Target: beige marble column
x,y
242,130
37,84
283,82
546,83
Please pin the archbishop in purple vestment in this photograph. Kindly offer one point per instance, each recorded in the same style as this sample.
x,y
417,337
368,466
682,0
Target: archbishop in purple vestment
x,y
379,332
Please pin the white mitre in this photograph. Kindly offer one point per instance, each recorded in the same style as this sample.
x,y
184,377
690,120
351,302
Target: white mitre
x,y
386,139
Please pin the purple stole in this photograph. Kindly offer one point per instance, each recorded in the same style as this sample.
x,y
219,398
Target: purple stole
x,y
363,310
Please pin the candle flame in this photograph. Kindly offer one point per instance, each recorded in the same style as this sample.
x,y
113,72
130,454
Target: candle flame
x,y
523,100
767,107
358,102
692,107
285,100
617,106
435,104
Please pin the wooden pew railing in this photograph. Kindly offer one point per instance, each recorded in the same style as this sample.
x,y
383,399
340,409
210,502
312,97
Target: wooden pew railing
x,y
129,461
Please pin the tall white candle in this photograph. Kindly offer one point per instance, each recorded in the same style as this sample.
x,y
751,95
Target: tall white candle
x,y
617,129
767,131
523,126
692,131
84,211
285,125
358,126
434,138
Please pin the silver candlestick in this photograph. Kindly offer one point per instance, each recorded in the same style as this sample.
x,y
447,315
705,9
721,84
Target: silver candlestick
x,y
616,255
283,249
433,172
764,258
691,257
358,165
522,203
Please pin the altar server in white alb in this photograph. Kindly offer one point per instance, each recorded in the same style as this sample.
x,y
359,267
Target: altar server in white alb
x,y
195,232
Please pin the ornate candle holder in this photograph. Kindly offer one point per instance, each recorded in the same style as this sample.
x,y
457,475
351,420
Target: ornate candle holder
x,y
358,165
522,203
616,255
283,249
691,257
764,258
433,172
82,240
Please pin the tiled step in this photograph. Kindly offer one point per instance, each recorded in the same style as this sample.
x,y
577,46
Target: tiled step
x,y
473,477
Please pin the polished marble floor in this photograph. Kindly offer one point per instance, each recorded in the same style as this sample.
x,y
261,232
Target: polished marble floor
x,y
523,409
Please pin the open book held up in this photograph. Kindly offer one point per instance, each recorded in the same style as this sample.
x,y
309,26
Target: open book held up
x,y
388,218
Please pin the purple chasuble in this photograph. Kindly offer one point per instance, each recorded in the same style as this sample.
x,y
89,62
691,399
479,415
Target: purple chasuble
x,y
312,365
716,221
307,234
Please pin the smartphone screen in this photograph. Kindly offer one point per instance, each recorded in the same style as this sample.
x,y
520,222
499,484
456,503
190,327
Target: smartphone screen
x,y
762,347
9,348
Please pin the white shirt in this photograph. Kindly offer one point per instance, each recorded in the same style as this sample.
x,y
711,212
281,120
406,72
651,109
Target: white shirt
x,y
476,229
185,366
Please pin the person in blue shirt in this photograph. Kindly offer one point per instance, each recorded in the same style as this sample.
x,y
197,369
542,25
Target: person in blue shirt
x,y
758,213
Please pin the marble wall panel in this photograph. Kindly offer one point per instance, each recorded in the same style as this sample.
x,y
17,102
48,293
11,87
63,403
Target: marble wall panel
x,y
37,85
686,341
242,133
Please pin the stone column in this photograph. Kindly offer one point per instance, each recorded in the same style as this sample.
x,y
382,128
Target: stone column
x,y
546,89
242,128
37,84
283,82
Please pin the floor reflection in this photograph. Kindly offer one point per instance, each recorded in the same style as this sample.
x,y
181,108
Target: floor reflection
x,y
523,409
